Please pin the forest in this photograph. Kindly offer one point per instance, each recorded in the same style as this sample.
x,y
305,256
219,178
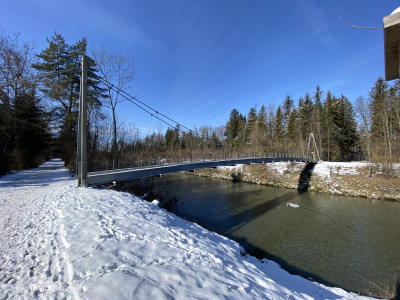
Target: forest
x,y
39,102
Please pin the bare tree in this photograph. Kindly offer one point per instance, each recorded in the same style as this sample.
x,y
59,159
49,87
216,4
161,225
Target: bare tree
x,y
117,70
364,124
16,59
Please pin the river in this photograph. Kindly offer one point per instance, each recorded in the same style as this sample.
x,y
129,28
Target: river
x,y
339,241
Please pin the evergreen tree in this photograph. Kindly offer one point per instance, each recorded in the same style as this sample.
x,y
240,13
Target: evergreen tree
x,y
328,126
214,141
381,128
251,126
279,125
240,139
318,116
251,119
63,88
291,126
32,134
55,58
24,136
306,116
172,139
287,108
232,127
262,119
344,120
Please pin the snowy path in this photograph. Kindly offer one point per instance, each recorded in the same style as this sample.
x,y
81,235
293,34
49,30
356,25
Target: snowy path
x,y
58,241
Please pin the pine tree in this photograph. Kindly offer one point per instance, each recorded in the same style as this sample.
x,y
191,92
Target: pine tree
x,y
344,120
232,127
63,88
318,116
172,140
214,141
381,127
287,108
32,134
55,58
262,119
291,127
306,116
251,126
23,125
328,126
240,139
279,125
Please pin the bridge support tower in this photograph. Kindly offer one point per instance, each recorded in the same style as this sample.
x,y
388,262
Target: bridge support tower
x,y
81,153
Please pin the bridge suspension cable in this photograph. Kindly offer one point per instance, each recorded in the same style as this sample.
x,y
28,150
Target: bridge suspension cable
x,y
39,76
132,99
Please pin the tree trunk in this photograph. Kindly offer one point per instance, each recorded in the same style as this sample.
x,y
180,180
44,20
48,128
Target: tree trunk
x,y
115,144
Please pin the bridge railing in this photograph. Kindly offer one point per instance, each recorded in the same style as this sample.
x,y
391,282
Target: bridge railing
x,y
96,165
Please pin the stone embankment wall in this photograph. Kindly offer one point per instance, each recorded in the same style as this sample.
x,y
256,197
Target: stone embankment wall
x,y
336,178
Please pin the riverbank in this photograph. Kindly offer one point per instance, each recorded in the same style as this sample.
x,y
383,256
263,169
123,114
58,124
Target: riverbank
x,y
352,178
61,241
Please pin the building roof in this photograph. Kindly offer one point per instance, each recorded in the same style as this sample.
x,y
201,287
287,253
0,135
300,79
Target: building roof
x,y
391,26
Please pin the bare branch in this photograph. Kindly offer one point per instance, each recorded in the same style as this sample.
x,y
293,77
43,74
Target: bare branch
x,y
359,27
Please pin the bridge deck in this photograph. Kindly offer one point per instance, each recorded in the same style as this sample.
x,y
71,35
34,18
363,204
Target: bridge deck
x,y
155,170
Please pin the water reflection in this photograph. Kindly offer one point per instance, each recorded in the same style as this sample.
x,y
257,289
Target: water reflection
x,y
336,240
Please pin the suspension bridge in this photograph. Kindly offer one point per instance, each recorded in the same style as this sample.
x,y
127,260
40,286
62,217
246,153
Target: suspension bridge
x,y
162,168
86,178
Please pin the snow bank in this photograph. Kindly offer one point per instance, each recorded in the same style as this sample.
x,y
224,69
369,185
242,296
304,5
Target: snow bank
x,y
59,241
325,169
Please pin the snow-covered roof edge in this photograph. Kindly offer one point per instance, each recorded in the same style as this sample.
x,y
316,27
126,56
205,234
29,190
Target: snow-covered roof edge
x,y
397,10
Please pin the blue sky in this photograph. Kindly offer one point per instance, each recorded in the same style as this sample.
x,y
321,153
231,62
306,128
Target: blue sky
x,y
196,60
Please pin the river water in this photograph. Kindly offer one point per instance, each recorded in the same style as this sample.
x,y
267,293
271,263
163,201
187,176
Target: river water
x,y
340,241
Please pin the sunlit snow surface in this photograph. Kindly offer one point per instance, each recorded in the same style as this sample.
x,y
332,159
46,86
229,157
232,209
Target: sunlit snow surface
x,y
397,10
59,241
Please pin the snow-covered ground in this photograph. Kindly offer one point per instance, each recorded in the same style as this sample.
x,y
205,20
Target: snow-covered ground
x,y
325,169
59,241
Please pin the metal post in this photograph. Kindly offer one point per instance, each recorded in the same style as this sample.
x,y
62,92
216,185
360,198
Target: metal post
x,y
204,157
83,116
78,144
